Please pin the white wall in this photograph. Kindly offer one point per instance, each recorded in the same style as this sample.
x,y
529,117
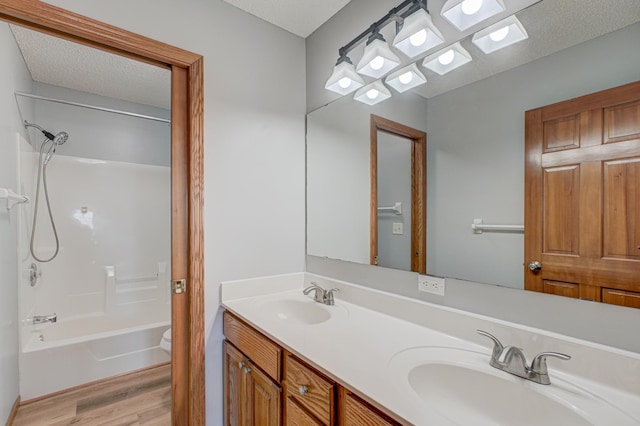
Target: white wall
x,y
254,141
107,214
13,76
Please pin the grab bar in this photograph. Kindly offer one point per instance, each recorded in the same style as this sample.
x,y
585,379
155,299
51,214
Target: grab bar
x,y
478,227
396,208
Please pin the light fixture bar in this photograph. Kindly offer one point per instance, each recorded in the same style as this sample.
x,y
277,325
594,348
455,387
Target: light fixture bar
x,y
375,27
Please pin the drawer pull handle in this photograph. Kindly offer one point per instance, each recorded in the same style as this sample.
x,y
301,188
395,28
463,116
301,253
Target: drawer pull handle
x,y
247,370
241,364
302,389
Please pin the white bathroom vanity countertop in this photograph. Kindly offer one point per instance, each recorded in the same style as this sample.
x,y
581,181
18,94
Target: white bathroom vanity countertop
x,y
369,340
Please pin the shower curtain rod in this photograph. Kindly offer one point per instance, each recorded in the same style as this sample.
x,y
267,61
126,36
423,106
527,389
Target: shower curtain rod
x,y
114,111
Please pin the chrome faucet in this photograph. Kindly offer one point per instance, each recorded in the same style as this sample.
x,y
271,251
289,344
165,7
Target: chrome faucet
x,y
513,361
321,296
37,319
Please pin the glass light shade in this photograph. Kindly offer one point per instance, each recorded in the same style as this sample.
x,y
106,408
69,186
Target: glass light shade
x,y
495,37
377,59
406,78
344,79
447,59
458,12
418,34
373,93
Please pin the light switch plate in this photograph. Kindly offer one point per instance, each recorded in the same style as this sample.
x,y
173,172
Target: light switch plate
x,y
397,228
431,284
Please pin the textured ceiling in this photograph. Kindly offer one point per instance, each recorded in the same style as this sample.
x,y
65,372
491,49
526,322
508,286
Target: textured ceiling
x,y
300,17
64,63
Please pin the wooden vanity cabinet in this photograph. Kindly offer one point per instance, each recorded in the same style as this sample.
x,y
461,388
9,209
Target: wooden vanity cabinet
x,y
251,397
267,386
252,375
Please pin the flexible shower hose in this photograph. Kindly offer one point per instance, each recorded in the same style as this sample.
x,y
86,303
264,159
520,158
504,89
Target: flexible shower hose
x,y
42,172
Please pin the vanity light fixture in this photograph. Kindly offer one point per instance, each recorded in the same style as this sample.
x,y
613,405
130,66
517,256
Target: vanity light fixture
x,y
417,34
464,14
373,93
377,59
447,59
500,35
406,78
344,78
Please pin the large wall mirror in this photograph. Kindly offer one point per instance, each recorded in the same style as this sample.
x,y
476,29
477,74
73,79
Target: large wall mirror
x,y
475,127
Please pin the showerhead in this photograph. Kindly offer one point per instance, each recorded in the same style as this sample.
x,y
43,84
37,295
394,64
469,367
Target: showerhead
x,y
60,138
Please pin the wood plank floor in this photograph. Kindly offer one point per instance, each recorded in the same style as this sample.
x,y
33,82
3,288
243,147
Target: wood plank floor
x,y
141,398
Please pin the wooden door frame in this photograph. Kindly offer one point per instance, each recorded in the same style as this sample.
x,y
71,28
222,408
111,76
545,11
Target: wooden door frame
x,y
418,140
187,143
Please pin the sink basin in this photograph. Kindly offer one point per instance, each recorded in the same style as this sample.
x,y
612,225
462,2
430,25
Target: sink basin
x,y
297,311
459,386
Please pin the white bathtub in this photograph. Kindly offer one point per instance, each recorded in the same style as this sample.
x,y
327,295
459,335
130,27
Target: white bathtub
x,y
109,283
77,351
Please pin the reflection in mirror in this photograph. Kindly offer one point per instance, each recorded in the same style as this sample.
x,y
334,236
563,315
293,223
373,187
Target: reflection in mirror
x,y
475,166
100,307
338,173
398,198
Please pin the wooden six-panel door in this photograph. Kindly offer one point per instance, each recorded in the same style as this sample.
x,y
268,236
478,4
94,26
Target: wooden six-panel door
x,y
582,197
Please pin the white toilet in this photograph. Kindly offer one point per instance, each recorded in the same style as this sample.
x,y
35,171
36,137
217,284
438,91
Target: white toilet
x,y
165,343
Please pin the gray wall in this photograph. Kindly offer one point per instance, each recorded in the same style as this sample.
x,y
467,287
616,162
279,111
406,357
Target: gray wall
x,y
394,184
102,135
13,76
475,164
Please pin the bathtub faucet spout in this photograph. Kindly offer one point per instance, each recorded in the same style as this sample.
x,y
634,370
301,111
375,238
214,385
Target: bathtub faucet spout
x,y
37,319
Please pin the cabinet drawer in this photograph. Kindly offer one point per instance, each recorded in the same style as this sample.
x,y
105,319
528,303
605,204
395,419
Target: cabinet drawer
x,y
359,413
261,351
310,390
297,416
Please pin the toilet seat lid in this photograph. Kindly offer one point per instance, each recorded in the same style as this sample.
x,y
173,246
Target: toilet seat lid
x,y
167,335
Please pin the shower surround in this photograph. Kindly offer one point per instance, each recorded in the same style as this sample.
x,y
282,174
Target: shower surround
x,y
109,285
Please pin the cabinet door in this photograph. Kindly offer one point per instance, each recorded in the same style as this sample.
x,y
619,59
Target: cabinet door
x,y
235,387
263,398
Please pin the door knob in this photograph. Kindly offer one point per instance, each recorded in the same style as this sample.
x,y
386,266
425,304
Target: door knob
x,y
535,266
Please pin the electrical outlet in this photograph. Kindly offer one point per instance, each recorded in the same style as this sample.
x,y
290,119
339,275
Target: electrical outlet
x,y
430,284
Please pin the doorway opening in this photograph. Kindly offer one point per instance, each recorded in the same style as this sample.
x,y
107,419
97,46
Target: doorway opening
x,y
398,178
